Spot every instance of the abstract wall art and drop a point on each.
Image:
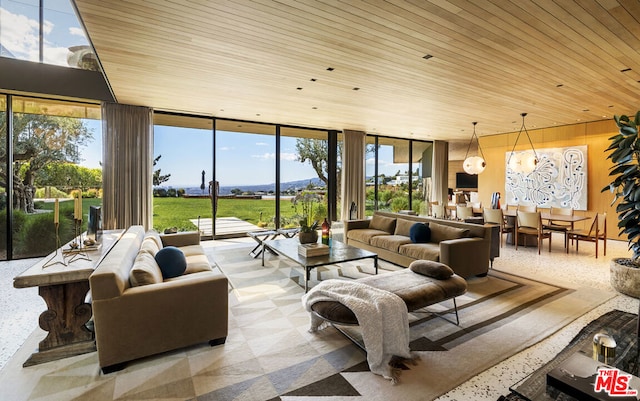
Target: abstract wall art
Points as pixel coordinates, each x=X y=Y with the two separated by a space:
x=559 y=180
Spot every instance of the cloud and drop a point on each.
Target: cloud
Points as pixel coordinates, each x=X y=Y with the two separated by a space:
x=76 y=31
x=225 y=148
x=289 y=156
x=265 y=156
x=262 y=144
x=20 y=35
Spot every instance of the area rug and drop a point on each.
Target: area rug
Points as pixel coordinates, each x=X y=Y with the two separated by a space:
x=270 y=355
x=626 y=356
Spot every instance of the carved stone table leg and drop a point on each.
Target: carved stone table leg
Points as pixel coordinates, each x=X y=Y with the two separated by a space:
x=65 y=320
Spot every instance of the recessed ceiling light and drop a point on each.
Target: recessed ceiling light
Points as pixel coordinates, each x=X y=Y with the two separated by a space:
x=625 y=70
x=330 y=69
x=314 y=108
x=313 y=80
x=427 y=56
x=258 y=114
x=299 y=88
x=585 y=110
x=559 y=86
x=612 y=105
x=356 y=89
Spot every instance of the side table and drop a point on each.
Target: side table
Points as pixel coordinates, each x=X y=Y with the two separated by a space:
x=64 y=289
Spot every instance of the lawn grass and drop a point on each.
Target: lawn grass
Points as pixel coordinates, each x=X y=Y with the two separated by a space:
x=176 y=212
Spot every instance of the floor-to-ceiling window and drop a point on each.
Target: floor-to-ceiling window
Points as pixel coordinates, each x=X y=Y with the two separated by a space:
x=183 y=184
x=397 y=172
x=3 y=177
x=245 y=171
x=57 y=154
x=304 y=175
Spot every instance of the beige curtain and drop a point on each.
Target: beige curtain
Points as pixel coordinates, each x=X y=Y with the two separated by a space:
x=127 y=155
x=353 y=173
x=440 y=172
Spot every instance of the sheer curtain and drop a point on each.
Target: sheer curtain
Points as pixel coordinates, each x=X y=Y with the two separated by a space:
x=353 y=173
x=127 y=171
x=440 y=169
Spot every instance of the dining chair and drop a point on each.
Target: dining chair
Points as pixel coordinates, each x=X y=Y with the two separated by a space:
x=495 y=216
x=463 y=212
x=530 y=223
x=438 y=211
x=597 y=231
x=528 y=208
x=560 y=226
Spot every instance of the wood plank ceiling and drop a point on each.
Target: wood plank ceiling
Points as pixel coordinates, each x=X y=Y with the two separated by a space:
x=363 y=64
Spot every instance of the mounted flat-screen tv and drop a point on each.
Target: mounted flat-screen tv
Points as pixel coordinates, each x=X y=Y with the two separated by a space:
x=464 y=180
x=94 y=226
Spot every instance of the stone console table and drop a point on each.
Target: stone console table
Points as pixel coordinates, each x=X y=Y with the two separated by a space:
x=64 y=289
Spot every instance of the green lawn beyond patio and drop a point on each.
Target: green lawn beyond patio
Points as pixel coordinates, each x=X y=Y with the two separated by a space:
x=176 y=212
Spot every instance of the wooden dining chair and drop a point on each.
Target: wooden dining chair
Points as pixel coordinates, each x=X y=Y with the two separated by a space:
x=595 y=233
x=463 y=212
x=530 y=223
x=528 y=208
x=560 y=226
x=495 y=216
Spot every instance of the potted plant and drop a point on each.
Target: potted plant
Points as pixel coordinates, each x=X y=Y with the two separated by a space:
x=308 y=233
x=308 y=222
x=625 y=155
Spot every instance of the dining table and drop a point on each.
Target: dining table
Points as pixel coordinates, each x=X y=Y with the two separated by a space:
x=511 y=214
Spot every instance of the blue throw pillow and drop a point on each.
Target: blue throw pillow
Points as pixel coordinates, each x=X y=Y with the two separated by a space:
x=172 y=262
x=420 y=233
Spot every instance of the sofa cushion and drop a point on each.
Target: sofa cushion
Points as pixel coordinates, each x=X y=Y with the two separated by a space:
x=383 y=223
x=403 y=227
x=440 y=232
x=197 y=263
x=428 y=251
x=364 y=234
x=420 y=233
x=172 y=261
x=149 y=245
x=389 y=242
x=430 y=268
x=145 y=270
x=153 y=235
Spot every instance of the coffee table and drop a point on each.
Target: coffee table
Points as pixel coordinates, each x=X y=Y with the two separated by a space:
x=339 y=253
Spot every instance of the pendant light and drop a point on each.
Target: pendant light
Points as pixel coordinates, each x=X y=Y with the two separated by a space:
x=523 y=162
x=474 y=164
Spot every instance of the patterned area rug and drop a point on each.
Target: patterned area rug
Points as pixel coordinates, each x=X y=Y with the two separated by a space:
x=270 y=355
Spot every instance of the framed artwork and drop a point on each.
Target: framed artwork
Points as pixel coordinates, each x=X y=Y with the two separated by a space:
x=559 y=180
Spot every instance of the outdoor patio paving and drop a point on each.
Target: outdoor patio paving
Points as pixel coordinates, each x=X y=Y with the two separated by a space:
x=225 y=226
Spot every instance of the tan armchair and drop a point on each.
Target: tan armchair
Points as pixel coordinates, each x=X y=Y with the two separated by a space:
x=136 y=321
x=496 y=216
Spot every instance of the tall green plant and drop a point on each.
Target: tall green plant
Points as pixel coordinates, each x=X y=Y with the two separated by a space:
x=625 y=155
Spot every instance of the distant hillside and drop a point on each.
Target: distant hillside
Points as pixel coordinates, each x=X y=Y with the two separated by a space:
x=226 y=190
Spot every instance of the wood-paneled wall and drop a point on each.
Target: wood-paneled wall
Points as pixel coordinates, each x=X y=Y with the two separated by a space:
x=595 y=135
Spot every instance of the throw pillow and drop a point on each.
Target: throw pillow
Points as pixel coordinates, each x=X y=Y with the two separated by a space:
x=420 y=233
x=145 y=270
x=440 y=232
x=429 y=268
x=172 y=262
x=383 y=223
x=403 y=227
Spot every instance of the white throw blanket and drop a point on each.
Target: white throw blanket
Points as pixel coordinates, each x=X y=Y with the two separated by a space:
x=382 y=316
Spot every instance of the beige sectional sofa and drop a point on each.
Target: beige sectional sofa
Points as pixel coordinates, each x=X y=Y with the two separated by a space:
x=463 y=246
x=137 y=313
